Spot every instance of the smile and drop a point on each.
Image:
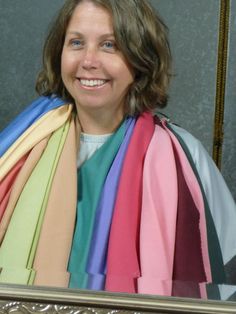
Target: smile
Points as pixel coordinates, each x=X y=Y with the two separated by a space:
x=92 y=83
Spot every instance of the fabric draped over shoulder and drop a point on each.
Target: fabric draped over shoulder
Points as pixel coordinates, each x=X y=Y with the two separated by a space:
x=19 y=183
x=123 y=257
x=139 y=216
x=36 y=132
x=23 y=121
x=7 y=183
x=51 y=258
x=28 y=215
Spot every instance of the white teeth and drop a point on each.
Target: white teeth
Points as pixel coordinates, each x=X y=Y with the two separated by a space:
x=92 y=82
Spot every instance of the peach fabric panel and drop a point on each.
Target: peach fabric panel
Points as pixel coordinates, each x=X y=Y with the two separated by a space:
x=55 y=240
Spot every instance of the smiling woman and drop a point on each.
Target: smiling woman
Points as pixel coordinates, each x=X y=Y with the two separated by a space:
x=138 y=52
x=99 y=191
x=94 y=71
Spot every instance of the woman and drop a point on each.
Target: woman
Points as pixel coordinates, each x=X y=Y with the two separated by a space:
x=134 y=209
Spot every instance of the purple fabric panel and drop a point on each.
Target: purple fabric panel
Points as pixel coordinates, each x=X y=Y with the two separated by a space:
x=96 y=267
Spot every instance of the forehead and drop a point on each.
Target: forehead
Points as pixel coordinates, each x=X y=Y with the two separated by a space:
x=88 y=16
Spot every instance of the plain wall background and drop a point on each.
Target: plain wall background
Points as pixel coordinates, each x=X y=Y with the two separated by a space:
x=193 y=29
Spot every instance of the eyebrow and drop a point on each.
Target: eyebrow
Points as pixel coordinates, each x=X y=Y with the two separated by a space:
x=81 y=35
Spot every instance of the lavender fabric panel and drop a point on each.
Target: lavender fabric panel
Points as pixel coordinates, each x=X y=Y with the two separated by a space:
x=96 y=265
x=25 y=119
x=96 y=282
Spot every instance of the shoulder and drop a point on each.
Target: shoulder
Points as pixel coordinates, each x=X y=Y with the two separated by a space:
x=218 y=196
x=211 y=177
x=195 y=147
x=202 y=160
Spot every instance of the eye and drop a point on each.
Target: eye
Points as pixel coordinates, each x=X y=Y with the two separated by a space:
x=109 y=45
x=76 y=43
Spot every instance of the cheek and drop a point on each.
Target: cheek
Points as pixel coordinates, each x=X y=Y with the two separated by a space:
x=129 y=76
x=121 y=71
x=126 y=75
x=124 y=71
x=68 y=65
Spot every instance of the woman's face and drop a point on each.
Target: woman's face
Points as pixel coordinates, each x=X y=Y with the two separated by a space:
x=94 y=71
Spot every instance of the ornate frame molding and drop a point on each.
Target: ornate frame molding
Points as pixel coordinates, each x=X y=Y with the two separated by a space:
x=221 y=81
x=25 y=299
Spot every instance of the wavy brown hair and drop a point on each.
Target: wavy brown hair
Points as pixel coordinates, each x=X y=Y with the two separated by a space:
x=140 y=35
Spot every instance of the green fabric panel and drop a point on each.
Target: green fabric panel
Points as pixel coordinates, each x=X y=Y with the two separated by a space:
x=17 y=275
x=91 y=178
x=213 y=292
x=46 y=196
x=20 y=239
x=215 y=255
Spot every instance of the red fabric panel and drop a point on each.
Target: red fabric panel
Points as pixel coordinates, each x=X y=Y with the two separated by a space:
x=188 y=262
x=123 y=250
x=7 y=183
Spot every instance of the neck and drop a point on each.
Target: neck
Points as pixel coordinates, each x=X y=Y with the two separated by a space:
x=98 y=122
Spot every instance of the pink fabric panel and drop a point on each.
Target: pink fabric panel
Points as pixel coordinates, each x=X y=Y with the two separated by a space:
x=158 y=220
x=7 y=181
x=194 y=188
x=4 y=202
x=203 y=291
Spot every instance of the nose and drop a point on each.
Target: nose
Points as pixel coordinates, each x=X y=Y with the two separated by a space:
x=90 y=59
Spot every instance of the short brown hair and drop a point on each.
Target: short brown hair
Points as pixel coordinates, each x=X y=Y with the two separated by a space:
x=141 y=36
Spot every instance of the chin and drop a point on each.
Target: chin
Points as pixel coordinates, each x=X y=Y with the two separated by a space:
x=91 y=105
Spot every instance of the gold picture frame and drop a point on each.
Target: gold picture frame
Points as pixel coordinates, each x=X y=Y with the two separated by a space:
x=25 y=299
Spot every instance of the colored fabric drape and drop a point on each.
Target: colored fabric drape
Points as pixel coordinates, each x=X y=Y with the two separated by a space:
x=215 y=254
x=26 y=220
x=36 y=132
x=158 y=220
x=188 y=264
x=87 y=205
x=19 y=183
x=147 y=213
x=221 y=244
x=96 y=266
x=123 y=267
x=192 y=185
x=25 y=119
x=51 y=258
x=7 y=183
